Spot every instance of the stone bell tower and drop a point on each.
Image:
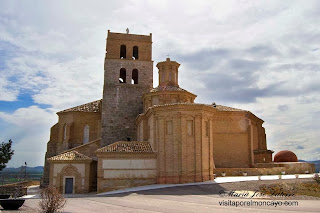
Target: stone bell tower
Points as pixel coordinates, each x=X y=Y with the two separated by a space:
x=128 y=74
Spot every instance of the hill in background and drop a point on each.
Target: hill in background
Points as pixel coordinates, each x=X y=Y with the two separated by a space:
x=33 y=170
x=39 y=169
x=316 y=164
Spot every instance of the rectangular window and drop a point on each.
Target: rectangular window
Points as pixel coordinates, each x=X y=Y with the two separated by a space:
x=169 y=127
x=190 y=127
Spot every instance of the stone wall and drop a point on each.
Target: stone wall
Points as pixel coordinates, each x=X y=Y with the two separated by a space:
x=292 y=167
x=250 y=171
x=122 y=102
x=268 y=169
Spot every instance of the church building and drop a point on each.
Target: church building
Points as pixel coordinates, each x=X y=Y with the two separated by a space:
x=139 y=135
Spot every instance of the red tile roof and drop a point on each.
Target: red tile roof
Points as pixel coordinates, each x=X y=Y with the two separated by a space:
x=70 y=156
x=167 y=88
x=93 y=106
x=128 y=147
x=218 y=107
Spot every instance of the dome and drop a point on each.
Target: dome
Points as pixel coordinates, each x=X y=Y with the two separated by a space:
x=285 y=156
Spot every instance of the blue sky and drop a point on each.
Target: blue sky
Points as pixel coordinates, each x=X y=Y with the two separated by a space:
x=261 y=56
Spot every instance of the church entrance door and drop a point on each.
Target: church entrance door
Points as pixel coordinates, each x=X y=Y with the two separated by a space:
x=69 y=186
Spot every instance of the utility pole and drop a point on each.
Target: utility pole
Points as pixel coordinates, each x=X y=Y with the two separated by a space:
x=25 y=171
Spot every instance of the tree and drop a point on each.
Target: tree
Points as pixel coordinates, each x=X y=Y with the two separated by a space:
x=5 y=154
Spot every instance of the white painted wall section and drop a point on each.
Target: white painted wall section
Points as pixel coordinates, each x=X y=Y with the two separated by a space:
x=124 y=174
x=129 y=164
x=129 y=168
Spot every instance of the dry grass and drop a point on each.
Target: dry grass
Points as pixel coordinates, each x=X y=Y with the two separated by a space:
x=309 y=189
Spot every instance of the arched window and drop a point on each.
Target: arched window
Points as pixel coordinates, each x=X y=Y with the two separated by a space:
x=86 y=134
x=135 y=76
x=123 y=74
x=135 y=53
x=163 y=76
x=123 y=51
x=64 y=131
x=170 y=74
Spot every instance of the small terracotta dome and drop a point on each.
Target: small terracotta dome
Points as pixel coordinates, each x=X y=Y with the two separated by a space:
x=285 y=156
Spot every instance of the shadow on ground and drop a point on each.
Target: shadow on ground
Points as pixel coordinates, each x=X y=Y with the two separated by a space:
x=204 y=189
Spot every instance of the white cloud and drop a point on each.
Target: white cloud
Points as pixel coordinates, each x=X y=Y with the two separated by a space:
x=71 y=83
x=29 y=129
x=7 y=93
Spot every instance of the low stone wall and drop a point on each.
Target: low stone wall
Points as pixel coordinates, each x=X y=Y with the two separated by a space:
x=298 y=167
x=14 y=191
x=250 y=171
x=17 y=189
x=268 y=169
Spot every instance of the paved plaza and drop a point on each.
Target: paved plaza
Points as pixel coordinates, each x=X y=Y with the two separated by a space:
x=196 y=197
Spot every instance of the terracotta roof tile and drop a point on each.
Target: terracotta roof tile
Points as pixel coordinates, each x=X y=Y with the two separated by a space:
x=218 y=107
x=93 y=106
x=226 y=108
x=128 y=147
x=70 y=156
x=167 y=88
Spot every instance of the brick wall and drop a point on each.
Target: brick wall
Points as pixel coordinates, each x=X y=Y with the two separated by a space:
x=184 y=148
x=75 y=122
